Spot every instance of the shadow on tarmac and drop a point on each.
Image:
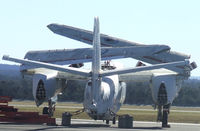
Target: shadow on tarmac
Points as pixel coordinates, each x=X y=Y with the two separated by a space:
x=72 y=126
x=95 y=126
x=148 y=128
x=82 y=126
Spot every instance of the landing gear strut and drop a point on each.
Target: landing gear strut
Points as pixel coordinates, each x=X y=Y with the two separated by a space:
x=159 y=116
x=107 y=122
x=163 y=112
x=165 y=116
x=163 y=107
x=52 y=107
x=114 y=120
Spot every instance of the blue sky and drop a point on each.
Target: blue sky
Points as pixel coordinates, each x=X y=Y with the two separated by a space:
x=174 y=23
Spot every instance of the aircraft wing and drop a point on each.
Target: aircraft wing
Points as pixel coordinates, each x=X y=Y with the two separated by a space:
x=87 y=37
x=81 y=55
x=96 y=58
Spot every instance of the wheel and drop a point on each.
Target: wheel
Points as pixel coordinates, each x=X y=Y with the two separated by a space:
x=114 y=120
x=165 y=120
x=45 y=110
x=107 y=122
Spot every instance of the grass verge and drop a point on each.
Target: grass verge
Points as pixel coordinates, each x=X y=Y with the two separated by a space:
x=139 y=115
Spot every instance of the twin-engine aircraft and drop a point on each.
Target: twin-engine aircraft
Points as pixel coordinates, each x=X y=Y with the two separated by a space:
x=105 y=90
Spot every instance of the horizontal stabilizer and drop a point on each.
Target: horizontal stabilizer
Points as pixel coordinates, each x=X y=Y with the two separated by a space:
x=36 y=64
x=87 y=74
x=145 y=68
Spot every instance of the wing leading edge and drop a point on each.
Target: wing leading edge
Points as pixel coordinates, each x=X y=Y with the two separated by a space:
x=81 y=55
x=86 y=37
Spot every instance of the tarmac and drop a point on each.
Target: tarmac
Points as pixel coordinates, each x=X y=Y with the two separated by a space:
x=91 y=125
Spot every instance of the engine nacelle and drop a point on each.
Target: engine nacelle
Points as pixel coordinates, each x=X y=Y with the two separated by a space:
x=46 y=87
x=164 y=87
x=121 y=94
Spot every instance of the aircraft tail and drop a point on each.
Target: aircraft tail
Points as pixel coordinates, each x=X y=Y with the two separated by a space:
x=96 y=59
x=96 y=48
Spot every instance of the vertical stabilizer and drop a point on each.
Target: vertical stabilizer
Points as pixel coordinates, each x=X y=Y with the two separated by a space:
x=96 y=59
x=96 y=47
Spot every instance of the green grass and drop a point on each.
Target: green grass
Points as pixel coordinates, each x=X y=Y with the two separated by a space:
x=139 y=115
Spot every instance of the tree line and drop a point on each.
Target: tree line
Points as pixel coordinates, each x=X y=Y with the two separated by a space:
x=137 y=93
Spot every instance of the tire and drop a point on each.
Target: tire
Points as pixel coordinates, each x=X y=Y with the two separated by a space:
x=107 y=122
x=45 y=110
x=165 y=120
x=114 y=120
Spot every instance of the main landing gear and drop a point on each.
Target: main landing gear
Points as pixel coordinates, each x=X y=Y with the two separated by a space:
x=163 y=112
x=163 y=107
x=50 y=109
x=165 y=116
